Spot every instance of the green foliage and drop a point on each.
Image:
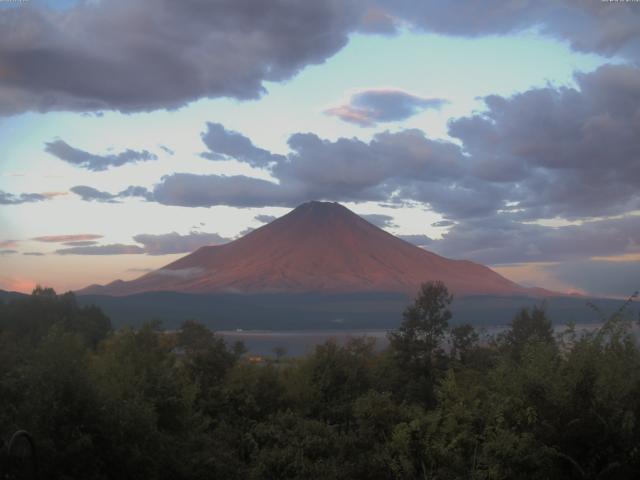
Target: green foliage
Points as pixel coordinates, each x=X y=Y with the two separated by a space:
x=152 y=404
x=337 y=375
x=415 y=348
x=29 y=319
x=464 y=342
x=527 y=326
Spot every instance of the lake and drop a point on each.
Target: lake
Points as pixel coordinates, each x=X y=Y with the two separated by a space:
x=301 y=342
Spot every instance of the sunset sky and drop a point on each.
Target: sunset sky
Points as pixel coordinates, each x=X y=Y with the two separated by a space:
x=503 y=132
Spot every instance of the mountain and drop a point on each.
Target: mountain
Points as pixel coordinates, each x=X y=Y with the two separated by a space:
x=6 y=296
x=317 y=247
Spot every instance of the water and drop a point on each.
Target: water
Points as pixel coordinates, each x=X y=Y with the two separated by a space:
x=297 y=343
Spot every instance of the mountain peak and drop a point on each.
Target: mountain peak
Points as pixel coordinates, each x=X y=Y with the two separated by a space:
x=317 y=247
x=316 y=207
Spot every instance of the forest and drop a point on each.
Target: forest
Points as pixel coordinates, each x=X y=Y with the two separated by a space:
x=438 y=403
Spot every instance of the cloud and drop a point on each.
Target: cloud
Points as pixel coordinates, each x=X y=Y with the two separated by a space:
x=81 y=243
x=443 y=223
x=377 y=21
x=599 y=277
x=136 y=191
x=140 y=270
x=90 y=194
x=161 y=244
x=33 y=254
x=8 y=243
x=601 y=27
x=192 y=190
x=96 y=163
x=546 y=153
x=113 y=249
x=165 y=55
x=175 y=243
x=245 y=232
x=419 y=240
x=67 y=238
x=8 y=252
x=167 y=150
x=265 y=218
x=349 y=169
x=370 y=107
x=51 y=195
x=561 y=151
x=11 y=199
x=539 y=154
x=225 y=144
x=380 y=220
x=501 y=241
x=342 y=170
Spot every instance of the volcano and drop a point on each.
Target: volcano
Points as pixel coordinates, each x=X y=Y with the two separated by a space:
x=317 y=247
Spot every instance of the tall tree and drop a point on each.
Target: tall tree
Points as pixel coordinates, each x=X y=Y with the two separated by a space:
x=416 y=345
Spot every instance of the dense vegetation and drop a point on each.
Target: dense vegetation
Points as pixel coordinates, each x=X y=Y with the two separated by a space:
x=104 y=404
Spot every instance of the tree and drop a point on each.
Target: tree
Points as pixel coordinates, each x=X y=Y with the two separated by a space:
x=207 y=358
x=464 y=339
x=415 y=346
x=279 y=352
x=528 y=327
x=337 y=376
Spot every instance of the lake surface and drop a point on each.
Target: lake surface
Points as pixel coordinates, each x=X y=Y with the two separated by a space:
x=301 y=342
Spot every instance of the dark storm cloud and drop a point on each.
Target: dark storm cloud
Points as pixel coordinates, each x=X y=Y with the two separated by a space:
x=175 y=243
x=375 y=106
x=153 y=54
x=113 y=249
x=498 y=240
x=11 y=199
x=380 y=220
x=265 y=218
x=225 y=144
x=607 y=28
x=96 y=163
x=600 y=277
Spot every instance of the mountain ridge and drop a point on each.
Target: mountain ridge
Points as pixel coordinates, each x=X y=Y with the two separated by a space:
x=317 y=247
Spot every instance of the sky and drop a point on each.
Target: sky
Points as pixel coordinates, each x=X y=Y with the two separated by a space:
x=503 y=132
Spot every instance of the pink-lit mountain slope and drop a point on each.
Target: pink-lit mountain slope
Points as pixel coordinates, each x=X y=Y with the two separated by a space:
x=317 y=247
